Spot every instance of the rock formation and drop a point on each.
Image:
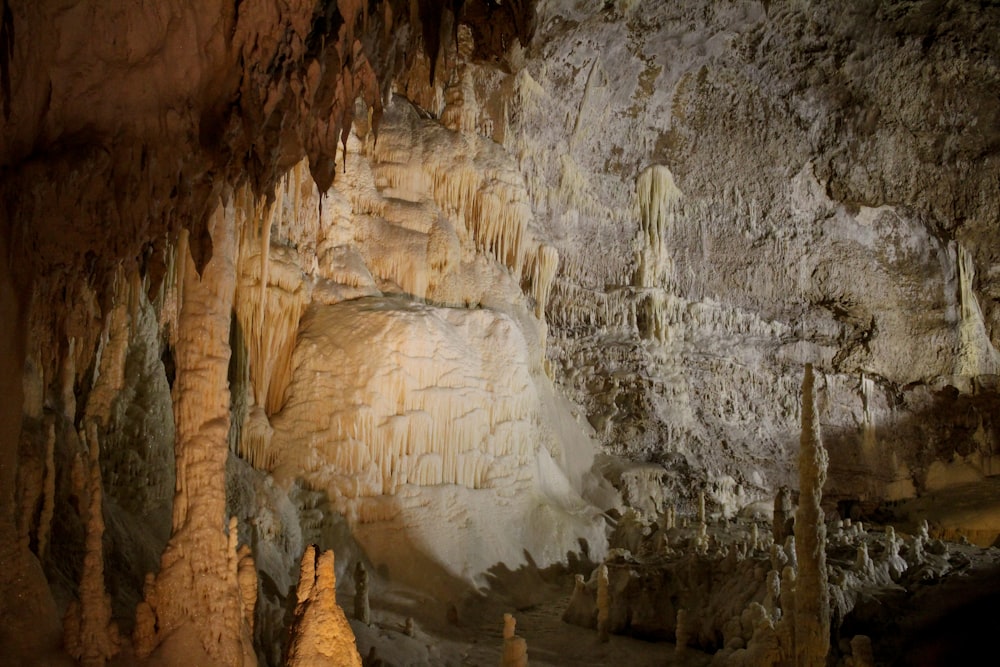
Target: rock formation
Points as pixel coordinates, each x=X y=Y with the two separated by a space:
x=452 y=287
x=321 y=634
x=812 y=597
x=515 y=649
x=603 y=605
x=362 y=607
x=90 y=635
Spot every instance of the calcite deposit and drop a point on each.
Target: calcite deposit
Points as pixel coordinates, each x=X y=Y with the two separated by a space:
x=674 y=321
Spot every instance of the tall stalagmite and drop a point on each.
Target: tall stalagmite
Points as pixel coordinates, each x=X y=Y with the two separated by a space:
x=89 y=634
x=812 y=596
x=196 y=585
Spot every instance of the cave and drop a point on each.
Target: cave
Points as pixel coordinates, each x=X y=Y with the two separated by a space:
x=578 y=332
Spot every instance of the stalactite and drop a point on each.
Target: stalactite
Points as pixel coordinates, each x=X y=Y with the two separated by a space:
x=657 y=199
x=976 y=354
x=486 y=193
x=545 y=265
x=271 y=294
x=812 y=596
x=869 y=445
x=458 y=416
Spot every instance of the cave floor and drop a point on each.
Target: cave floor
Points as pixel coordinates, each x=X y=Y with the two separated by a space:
x=476 y=637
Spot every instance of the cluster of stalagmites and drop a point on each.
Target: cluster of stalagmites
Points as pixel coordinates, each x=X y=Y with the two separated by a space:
x=755 y=597
x=321 y=633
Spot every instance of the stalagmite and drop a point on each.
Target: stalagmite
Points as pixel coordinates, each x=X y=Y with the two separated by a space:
x=90 y=635
x=863 y=564
x=362 y=608
x=580 y=610
x=786 y=626
x=247 y=577
x=682 y=633
x=515 y=649
x=321 y=634
x=603 y=605
x=861 y=652
x=67 y=379
x=772 y=603
x=199 y=549
x=782 y=514
x=897 y=565
x=144 y=634
x=48 y=492
x=812 y=597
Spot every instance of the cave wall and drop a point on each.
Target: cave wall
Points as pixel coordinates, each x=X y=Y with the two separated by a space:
x=662 y=210
x=736 y=189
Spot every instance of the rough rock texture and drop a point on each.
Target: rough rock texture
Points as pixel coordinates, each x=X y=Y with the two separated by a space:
x=770 y=184
x=637 y=224
x=321 y=634
x=812 y=595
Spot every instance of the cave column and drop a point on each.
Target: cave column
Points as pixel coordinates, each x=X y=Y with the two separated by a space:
x=197 y=584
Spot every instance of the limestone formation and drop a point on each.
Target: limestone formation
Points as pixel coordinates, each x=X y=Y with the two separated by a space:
x=861 y=652
x=199 y=549
x=362 y=608
x=682 y=634
x=321 y=634
x=515 y=649
x=447 y=286
x=247 y=578
x=582 y=608
x=780 y=527
x=90 y=635
x=812 y=603
x=603 y=605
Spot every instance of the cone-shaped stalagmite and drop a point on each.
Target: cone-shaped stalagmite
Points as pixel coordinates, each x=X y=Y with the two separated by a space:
x=812 y=597
x=321 y=634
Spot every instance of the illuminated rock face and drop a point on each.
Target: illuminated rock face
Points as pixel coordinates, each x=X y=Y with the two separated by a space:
x=408 y=416
x=652 y=216
x=760 y=202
